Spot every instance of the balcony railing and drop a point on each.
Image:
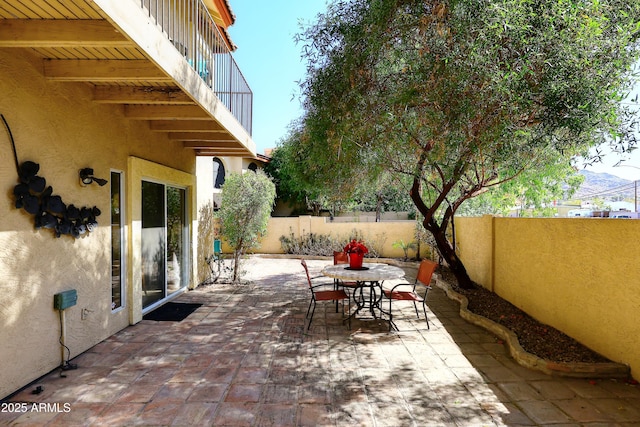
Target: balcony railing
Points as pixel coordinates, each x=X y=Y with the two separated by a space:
x=191 y=29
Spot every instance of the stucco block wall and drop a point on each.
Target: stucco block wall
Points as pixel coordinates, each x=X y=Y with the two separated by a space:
x=579 y=275
x=475 y=236
x=58 y=126
x=383 y=234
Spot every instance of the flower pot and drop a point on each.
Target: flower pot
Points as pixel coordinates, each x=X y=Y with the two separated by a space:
x=355 y=260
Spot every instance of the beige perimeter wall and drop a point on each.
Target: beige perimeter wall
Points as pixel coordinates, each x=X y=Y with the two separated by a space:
x=380 y=235
x=579 y=275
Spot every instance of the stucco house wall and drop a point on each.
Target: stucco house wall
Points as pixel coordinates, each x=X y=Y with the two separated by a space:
x=209 y=199
x=59 y=127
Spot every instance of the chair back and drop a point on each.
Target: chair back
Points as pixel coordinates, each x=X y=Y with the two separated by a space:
x=340 y=257
x=306 y=270
x=425 y=271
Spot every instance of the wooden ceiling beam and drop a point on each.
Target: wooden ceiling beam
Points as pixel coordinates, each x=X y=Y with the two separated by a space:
x=202 y=137
x=210 y=145
x=165 y=112
x=140 y=95
x=186 y=126
x=103 y=70
x=44 y=33
x=212 y=152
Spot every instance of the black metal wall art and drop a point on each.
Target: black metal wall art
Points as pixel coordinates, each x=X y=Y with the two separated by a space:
x=34 y=196
x=49 y=211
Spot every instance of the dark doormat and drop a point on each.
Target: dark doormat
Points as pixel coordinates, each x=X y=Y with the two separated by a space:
x=172 y=312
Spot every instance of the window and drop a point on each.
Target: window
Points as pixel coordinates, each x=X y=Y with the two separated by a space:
x=117 y=242
x=218 y=173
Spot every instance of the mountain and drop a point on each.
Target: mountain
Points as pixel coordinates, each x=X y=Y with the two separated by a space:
x=604 y=186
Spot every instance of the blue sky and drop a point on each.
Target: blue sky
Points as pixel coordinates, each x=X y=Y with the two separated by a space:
x=271 y=62
x=631 y=170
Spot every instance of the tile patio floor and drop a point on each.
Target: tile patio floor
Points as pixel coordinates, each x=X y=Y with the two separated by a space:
x=244 y=359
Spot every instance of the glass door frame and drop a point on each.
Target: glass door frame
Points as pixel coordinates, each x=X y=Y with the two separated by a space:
x=144 y=170
x=123 y=242
x=185 y=262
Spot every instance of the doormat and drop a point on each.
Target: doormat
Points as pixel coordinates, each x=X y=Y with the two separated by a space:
x=172 y=312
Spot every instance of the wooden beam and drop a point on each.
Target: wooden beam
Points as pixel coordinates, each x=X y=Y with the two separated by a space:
x=103 y=70
x=186 y=126
x=140 y=95
x=165 y=112
x=61 y=33
x=203 y=136
x=212 y=152
x=208 y=145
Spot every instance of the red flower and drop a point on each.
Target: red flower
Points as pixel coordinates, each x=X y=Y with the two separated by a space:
x=356 y=247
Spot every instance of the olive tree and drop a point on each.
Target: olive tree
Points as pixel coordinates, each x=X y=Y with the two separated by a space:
x=247 y=201
x=462 y=95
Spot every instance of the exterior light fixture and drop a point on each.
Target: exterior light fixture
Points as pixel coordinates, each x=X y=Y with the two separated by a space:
x=86 y=177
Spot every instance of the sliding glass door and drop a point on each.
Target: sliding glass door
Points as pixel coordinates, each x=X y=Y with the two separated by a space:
x=117 y=242
x=176 y=236
x=164 y=239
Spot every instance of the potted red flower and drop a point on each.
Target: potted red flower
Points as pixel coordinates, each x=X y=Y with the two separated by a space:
x=356 y=250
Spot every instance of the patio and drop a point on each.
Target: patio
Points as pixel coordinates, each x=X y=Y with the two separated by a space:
x=244 y=358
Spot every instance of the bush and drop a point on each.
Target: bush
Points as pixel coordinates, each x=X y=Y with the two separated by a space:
x=323 y=245
x=247 y=200
x=310 y=244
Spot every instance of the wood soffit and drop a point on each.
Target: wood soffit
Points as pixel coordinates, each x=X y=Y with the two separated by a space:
x=77 y=44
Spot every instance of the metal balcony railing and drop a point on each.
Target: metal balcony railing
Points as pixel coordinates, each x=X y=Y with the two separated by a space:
x=192 y=30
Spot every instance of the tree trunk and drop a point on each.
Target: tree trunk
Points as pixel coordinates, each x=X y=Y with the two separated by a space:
x=378 y=207
x=445 y=248
x=448 y=253
x=236 y=261
x=236 y=258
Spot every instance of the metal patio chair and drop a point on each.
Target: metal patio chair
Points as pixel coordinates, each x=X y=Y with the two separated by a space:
x=401 y=292
x=320 y=294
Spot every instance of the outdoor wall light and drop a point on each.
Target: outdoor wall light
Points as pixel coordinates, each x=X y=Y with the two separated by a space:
x=86 y=177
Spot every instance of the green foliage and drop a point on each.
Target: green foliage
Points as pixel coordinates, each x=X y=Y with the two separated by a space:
x=533 y=192
x=290 y=186
x=462 y=96
x=295 y=184
x=247 y=201
x=406 y=247
x=323 y=245
x=311 y=244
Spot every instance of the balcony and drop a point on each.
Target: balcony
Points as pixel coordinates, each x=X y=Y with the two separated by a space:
x=162 y=61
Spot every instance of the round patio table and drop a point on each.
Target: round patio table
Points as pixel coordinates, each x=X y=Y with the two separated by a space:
x=370 y=278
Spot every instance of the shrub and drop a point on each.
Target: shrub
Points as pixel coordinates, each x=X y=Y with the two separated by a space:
x=323 y=245
x=247 y=200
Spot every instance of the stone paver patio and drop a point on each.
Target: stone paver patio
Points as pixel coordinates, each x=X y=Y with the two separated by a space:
x=244 y=359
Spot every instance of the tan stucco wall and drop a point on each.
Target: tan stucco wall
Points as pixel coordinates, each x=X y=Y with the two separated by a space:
x=204 y=171
x=579 y=275
x=204 y=168
x=207 y=195
x=57 y=126
x=382 y=233
x=475 y=236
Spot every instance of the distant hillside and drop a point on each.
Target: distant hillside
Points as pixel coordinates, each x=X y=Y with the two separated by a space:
x=604 y=186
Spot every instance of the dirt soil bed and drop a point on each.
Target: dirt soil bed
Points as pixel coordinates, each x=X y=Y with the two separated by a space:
x=539 y=339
